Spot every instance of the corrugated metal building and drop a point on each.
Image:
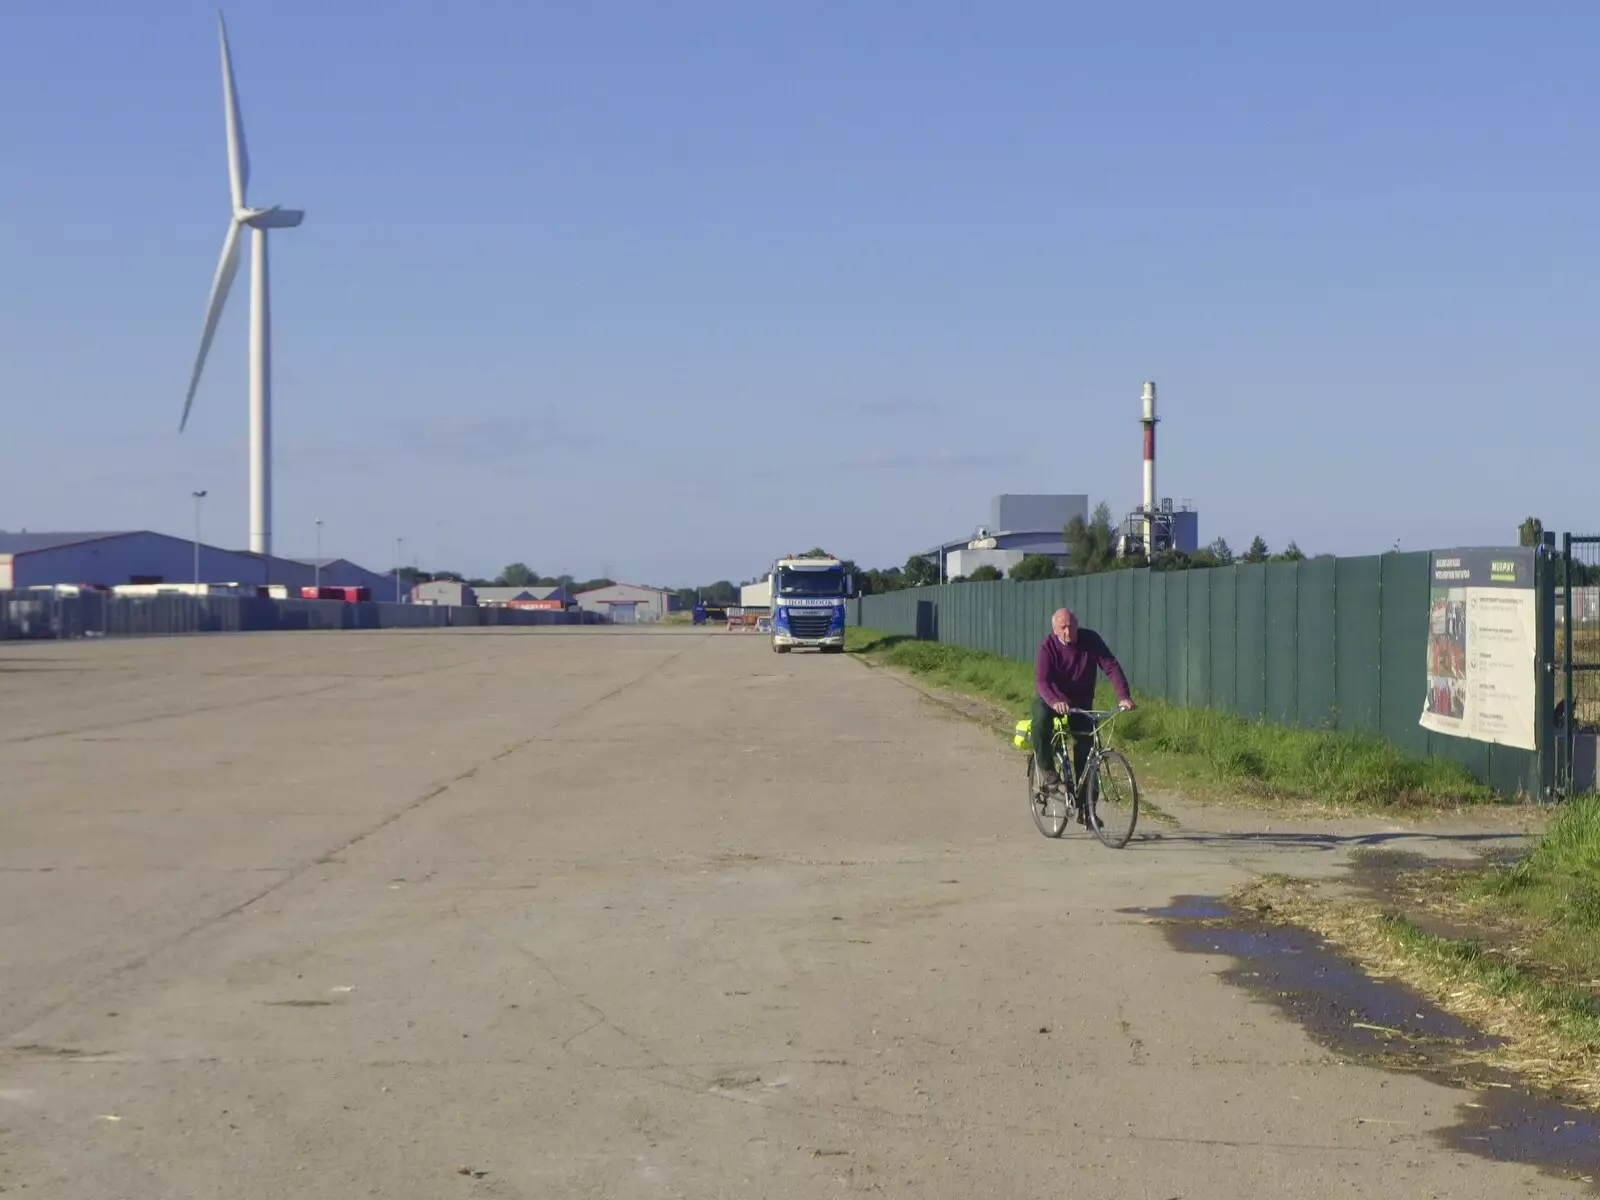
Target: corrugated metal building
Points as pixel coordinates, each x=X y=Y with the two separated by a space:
x=627 y=603
x=446 y=592
x=142 y=556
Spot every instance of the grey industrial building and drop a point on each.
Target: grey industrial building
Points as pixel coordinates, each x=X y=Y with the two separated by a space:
x=1020 y=525
x=142 y=556
x=626 y=603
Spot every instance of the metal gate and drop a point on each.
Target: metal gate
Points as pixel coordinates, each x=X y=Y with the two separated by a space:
x=1578 y=653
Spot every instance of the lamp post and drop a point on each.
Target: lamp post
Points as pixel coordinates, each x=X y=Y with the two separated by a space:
x=198 y=496
x=318 y=564
x=399 y=544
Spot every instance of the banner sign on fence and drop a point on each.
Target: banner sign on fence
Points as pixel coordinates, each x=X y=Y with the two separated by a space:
x=1482 y=646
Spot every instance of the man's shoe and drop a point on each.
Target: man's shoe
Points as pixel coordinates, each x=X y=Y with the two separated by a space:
x=1049 y=781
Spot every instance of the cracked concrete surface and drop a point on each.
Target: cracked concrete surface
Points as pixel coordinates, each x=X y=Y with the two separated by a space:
x=622 y=913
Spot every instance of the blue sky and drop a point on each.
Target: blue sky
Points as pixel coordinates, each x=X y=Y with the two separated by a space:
x=665 y=290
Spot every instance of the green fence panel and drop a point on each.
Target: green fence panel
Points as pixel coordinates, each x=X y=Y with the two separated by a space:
x=1121 y=587
x=1316 y=695
x=1250 y=662
x=1197 y=638
x=1177 y=655
x=1160 y=677
x=1283 y=623
x=1403 y=683
x=1224 y=650
x=1358 y=642
x=1140 y=641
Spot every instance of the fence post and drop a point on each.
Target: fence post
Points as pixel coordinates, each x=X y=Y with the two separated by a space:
x=1545 y=778
x=1569 y=721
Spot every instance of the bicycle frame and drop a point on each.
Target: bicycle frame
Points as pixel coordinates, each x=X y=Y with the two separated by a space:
x=1061 y=735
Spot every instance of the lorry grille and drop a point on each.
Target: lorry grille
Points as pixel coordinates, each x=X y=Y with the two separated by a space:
x=810 y=622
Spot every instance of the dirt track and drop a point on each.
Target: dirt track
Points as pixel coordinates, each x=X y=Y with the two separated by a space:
x=620 y=914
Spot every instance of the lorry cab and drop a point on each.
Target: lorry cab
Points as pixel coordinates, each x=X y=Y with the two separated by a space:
x=807 y=598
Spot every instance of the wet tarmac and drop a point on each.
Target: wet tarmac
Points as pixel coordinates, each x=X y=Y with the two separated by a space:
x=1387 y=1026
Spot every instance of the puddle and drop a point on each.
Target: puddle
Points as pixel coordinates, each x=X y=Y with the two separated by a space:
x=1388 y=1026
x=1187 y=908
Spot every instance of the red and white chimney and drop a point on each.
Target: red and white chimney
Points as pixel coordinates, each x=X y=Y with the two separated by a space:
x=1148 y=420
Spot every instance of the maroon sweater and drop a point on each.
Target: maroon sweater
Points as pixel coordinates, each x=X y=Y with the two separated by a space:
x=1068 y=672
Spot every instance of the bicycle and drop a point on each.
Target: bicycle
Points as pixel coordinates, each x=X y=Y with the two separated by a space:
x=1108 y=781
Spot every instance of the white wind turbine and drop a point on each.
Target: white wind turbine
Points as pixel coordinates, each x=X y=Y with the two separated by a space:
x=259 y=220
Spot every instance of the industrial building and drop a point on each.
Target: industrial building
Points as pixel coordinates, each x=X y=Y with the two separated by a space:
x=525 y=597
x=1019 y=525
x=445 y=592
x=462 y=595
x=142 y=556
x=627 y=603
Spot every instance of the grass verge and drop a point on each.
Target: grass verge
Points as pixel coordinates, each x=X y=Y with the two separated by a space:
x=1550 y=1028
x=1200 y=750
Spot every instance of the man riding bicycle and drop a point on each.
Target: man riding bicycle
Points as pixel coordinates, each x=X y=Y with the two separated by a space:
x=1064 y=678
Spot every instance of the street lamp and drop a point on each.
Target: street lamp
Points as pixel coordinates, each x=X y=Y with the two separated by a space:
x=399 y=543
x=318 y=563
x=198 y=496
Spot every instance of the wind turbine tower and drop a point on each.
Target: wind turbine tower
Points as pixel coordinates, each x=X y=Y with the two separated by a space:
x=259 y=221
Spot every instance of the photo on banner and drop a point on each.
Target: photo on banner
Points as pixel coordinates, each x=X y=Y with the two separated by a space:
x=1482 y=646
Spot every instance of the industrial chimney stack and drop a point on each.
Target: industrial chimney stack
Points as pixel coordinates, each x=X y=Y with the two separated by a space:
x=1148 y=420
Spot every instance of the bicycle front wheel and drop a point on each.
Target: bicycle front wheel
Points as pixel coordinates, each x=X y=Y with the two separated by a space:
x=1113 y=799
x=1049 y=812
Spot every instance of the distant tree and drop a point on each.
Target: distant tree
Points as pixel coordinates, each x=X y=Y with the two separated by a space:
x=919 y=572
x=985 y=574
x=1033 y=567
x=1170 y=559
x=876 y=582
x=1530 y=532
x=1203 y=558
x=1091 y=546
x=1291 y=553
x=413 y=575
x=1258 y=552
x=517 y=574
x=588 y=585
x=1222 y=552
x=449 y=576
x=720 y=592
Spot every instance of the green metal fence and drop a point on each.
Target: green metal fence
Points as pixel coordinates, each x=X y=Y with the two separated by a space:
x=1324 y=643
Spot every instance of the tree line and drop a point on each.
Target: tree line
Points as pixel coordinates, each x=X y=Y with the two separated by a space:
x=521 y=575
x=1091 y=550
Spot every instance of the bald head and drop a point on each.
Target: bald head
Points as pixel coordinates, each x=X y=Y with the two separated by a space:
x=1065 y=626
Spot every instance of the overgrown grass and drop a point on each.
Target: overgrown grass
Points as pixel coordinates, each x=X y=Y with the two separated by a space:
x=1204 y=746
x=1554 y=892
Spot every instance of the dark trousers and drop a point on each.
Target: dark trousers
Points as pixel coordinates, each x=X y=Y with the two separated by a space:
x=1082 y=727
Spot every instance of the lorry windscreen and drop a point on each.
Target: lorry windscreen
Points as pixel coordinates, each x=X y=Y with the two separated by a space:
x=810 y=583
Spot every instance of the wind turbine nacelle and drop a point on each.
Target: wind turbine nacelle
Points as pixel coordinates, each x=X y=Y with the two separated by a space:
x=273 y=218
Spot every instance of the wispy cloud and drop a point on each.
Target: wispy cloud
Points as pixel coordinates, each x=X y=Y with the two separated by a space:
x=899 y=408
x=946 y=460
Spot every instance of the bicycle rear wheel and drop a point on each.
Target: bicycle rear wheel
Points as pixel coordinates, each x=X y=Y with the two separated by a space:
x=1049 y=812
x=1113 y=799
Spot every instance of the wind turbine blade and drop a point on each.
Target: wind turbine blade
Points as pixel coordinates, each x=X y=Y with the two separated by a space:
x=238 y=154
x=227 y=268
x=277 y=218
